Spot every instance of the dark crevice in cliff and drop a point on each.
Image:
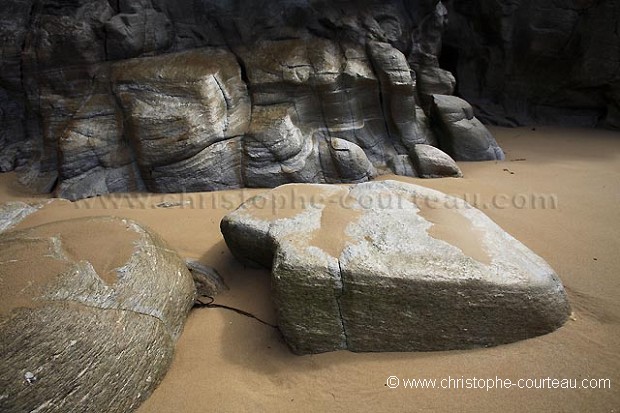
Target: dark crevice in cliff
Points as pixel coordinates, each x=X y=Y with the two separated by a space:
x=244 y=73
x=120 y=113
x=385 y=113
x=28 y=110
x=226 y=101
x=244 y=77
x=449 y=60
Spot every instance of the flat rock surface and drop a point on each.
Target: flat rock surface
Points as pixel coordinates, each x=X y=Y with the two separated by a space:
x=90 y=310
x=389 y=266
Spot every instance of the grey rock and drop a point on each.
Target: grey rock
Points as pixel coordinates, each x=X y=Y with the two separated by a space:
x=350 y=161
x=276 y=149
x=332 y=88
x=133 y=34
x=12 y=213
x=12 y=120
x=431 y=162
x=424 y=57
x=185 y=113
x=137 y=95
x=398 y=89
x=461 y=134
x=208 y=280
x=100 y=181
x=216 y=167
x=402 y=165
x=389 y=266
x=94 y=157
x=76 y=317
x=528 y=62
x=435 y=81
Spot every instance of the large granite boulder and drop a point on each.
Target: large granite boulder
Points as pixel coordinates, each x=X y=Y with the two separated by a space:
x=389 y=266
x=90 y=310
x=137 y=95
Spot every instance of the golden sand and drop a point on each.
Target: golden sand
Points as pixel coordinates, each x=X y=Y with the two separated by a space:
x=226 y=362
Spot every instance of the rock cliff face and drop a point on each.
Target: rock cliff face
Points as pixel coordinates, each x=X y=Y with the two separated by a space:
x=106 y=96
x=527 y=61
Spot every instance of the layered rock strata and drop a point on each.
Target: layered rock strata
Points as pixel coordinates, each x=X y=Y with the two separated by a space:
x=197 y=96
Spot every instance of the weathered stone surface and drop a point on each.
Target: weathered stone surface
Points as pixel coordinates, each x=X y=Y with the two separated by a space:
x=90 y=310
x=399 y=95
x=276 y=149
x=131 y=34
x=461 y=134
x=178 y=106
x=139 y=95
x=94 y=158
x=403 y=166
x=334 y=90
x=12 y=213
x=350 y=162
x=530 y=62
x=207 y=280
x=431 y=162
x=389 y=266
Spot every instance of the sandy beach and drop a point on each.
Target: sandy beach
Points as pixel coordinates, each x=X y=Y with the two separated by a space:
x=557 y=192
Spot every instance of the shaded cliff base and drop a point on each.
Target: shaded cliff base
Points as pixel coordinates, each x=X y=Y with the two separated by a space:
x=526 y=62
x=228 y=362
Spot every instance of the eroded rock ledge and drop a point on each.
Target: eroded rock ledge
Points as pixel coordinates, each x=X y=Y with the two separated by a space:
x=198 y=96
x=388 y=266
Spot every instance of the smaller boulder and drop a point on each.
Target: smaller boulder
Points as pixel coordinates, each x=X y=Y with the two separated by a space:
x=461 y=134
x=431 y=162
x=350 y=161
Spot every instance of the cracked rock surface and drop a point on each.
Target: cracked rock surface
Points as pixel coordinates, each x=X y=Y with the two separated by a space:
x=184 y=96
x=87 y=325
x=390 y=266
